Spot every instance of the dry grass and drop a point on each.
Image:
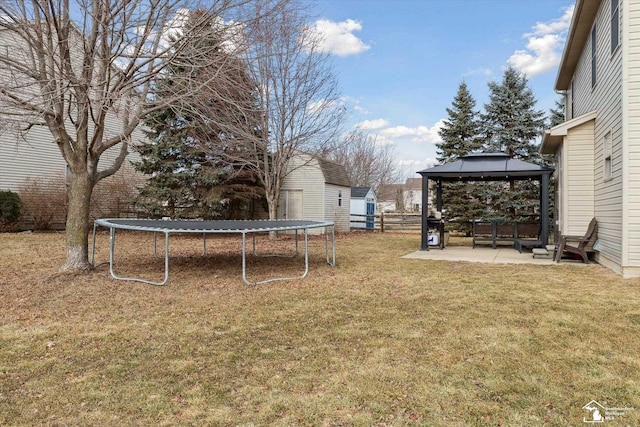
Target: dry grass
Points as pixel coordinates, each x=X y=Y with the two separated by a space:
x=378 y=340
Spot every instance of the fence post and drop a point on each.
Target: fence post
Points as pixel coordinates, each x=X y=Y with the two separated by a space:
x=382 y=222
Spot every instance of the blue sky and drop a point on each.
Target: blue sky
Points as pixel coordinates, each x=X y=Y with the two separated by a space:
x=400 y=62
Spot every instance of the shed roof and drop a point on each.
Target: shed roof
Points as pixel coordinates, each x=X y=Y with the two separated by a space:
x=359 y=192
x=485 y=166
x=334 y=173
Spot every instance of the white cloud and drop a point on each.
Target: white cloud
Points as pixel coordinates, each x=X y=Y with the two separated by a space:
x=360 y=109
x=544 y=46
x=487 y=72
x=542 y=55
x=372 y=124
x=413 y=165
x=416 y=134
x=338 y=37
x=553 y=27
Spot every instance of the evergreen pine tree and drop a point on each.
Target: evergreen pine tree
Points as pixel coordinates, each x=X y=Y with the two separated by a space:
x=556 y=115
x=460 y=136
x=460 y=132
x=186 y=176
x=512 y=125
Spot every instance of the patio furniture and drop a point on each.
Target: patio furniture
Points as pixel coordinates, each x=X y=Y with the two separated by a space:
x=531 y=230
x=577 y=245
x=492 y=232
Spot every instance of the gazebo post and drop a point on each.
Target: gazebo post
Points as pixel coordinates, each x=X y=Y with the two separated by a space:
x=544 y=208
x=439 y=197
x=424 y=245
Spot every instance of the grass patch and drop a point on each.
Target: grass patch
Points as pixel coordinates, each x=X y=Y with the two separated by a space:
x=378 y=340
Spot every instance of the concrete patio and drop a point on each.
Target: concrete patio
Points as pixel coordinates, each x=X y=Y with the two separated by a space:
x=500 y=255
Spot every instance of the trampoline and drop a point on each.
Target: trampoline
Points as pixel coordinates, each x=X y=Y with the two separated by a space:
x=242 y=227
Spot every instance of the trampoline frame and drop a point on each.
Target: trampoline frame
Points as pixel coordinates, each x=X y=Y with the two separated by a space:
x=242 y=227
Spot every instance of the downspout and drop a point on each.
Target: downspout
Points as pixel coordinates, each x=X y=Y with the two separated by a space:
x=564 y=93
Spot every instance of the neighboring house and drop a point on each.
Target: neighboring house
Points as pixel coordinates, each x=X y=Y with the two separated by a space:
x=32 y=165
x=316 y=189
x=405 y=197
x=363 y=202
x=34 y=168
x=389 y=198
x=412 y=195
x=597 y=148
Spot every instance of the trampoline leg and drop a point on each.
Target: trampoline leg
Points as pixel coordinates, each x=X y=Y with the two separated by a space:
x=244 y=261
x=154 y=245
x=204 y=244
x=331 y=262
x=93 y=249
x=306 y=251
x=112 y=245
x=244 y=257
x=333 y=244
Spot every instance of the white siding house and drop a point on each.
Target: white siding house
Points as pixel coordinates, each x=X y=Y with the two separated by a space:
x=412 y=195
x=363 y=202
x=597 y=148
x=316 y=189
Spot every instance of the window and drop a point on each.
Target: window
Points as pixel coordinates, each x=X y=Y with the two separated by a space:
x=607 y=148
x=615 y=24
x=339 y=197
x=593 y=56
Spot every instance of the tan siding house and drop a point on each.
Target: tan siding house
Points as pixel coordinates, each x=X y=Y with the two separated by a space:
x=316 y=189
x=597 y=148
x=32 y=159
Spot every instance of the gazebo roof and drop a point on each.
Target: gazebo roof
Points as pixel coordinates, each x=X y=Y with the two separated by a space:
x=485 y=166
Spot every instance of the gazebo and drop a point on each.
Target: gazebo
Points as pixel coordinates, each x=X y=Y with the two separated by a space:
x=485 y=167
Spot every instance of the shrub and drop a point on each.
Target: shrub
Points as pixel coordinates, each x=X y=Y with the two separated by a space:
x=45 y=202
x=10 y=208
x=113 y=197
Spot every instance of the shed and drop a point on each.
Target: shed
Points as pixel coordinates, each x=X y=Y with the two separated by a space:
x=363 y=207
x=316 y=189
x=486 y=167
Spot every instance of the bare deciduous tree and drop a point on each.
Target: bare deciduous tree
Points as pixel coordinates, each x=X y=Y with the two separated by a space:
x=368 y=163
x=297 y=92
x=72 y=67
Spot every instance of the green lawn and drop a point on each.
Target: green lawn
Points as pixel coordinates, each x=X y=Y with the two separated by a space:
x=378 y=340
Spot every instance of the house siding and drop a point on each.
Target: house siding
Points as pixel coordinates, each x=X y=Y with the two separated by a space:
x=578 y=193
x=631 y=132
x=606 y=98
x=38 y=156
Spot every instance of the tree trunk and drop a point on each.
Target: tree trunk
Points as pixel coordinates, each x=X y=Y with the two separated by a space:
x=273 y=214
x=77 y=231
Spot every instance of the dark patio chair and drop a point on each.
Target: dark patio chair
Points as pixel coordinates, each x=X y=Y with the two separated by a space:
x=531 y=230
x=577 y=245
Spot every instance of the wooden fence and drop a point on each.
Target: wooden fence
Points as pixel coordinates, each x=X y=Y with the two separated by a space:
x=387 y=221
